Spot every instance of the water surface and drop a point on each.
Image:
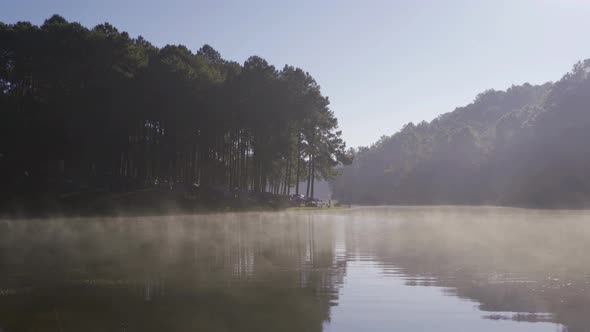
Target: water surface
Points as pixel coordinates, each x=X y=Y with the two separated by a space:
x=373 y=269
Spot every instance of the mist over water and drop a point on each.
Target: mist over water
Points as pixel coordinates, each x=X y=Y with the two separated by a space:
x=374 y=268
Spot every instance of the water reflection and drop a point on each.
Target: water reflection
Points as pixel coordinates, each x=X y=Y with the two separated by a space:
x=378 y=269
x=219 y=273
x=515 y=264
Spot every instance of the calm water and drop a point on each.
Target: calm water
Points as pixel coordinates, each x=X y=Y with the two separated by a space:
x=363 y=269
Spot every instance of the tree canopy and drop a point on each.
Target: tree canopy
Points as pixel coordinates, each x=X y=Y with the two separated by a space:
x=95 y=107
x=523 y=146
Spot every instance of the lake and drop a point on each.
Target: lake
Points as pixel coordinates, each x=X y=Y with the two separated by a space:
x=360 y=269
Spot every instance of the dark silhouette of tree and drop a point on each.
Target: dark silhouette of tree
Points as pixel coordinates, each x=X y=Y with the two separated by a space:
x=89 y=109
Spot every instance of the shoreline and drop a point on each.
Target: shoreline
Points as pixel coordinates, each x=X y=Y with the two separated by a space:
x=167 y=204
x=141 y=203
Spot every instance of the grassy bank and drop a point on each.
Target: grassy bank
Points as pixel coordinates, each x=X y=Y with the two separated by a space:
x=134 y=203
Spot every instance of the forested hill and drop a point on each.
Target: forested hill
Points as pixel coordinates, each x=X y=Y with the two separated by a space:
x=93 y=109
x=526 y=146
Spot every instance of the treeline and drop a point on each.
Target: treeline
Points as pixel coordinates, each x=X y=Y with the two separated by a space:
x=94 y=108
x=526 y=146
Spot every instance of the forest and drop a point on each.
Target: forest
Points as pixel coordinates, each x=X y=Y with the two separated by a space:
x=94 y=110
x=526 y=146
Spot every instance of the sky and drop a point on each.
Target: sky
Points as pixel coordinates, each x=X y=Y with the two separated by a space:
x=382 y=63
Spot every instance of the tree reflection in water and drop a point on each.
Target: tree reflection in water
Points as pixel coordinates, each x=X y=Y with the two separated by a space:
x=521 y=265
x=238 y=272
x=284 y=271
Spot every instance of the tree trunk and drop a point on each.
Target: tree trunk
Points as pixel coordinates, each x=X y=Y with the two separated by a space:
x=312 y=176
x=298 y=164
x=308 y=177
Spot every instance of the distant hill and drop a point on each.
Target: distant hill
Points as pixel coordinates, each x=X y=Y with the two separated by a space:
x=526 y=146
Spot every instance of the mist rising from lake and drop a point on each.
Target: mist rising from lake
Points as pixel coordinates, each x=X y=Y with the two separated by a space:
x=375 y=268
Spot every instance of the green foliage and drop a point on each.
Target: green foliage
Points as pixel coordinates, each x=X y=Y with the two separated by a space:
x=96 y=108
x=522 y=146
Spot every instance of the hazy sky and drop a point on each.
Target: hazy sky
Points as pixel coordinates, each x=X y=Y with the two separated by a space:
x=382 y=63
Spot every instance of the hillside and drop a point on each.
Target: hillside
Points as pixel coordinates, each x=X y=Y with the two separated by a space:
x=526 y=146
